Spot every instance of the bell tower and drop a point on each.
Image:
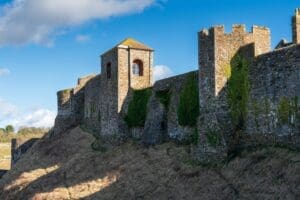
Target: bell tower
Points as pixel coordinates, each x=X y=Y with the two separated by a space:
x=127 y=66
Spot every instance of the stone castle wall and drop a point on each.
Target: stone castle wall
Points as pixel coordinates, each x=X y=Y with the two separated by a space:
x=92 y=111
x=274 y=102
x=161 y=121
x=101 y=102
x=19 y=147
x=70 y=103
x=109 y=93
x=217 y=51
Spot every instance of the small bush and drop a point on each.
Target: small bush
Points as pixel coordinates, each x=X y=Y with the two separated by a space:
x=137 y=109
x=188 y=109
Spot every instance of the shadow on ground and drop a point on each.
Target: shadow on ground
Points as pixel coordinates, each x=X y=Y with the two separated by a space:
x=66 y=167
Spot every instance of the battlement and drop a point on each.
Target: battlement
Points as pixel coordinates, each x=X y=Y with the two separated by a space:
x=239 y=29
x=101 y=102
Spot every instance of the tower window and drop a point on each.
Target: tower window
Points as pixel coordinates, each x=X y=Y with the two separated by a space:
x=138 y=68
x=108 y=70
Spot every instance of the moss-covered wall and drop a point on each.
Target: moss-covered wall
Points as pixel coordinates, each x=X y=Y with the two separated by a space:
x=171 y=99
x=273 y=108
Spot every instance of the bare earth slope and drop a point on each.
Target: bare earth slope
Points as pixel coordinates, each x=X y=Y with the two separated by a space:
x=66 y=167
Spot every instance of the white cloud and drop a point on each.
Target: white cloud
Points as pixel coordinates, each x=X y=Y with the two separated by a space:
x=10 y=114
x=82 y=38
x=7 y=110
x=38 y=21
x=38 y=118
x=161 y=72
x=4 y=71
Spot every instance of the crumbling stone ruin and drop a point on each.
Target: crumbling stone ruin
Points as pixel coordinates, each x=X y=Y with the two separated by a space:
x=244 y=94
x=19 y=147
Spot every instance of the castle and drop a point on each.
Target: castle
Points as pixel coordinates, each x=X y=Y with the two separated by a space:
x=264 y=110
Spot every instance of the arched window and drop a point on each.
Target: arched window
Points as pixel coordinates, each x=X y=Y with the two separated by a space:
x=138 y=68
x=108 y=70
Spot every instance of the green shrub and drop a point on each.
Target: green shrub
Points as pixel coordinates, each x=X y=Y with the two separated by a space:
x=188 y=109
x=137 y=109
x=9 y=129
x=164 y=97
x=238 y=91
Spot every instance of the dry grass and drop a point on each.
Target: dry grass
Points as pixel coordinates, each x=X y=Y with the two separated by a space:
x=5 y=156
x=66 y=167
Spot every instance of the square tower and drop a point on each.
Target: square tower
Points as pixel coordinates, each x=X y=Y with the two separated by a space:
x=296 y=26
x=127 y=66
x=217 y=51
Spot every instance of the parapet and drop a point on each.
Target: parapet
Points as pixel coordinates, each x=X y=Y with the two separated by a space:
x=236 y=28
x=83 y=80
x=297 y=12
x=64 y=99
x=65 y=94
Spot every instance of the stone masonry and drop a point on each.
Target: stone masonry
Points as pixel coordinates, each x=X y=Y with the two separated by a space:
x=100 y=102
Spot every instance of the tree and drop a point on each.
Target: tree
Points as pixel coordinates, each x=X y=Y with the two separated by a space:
x=9 y=129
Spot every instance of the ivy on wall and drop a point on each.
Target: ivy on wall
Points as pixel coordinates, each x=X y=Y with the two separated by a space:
x=287 y=110
x=164 y=97
x=188 y=109
x=137 y=108
x=238 y=91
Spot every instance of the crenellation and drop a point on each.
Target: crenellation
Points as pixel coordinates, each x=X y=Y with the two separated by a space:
x=100 y=102
x=238 y=29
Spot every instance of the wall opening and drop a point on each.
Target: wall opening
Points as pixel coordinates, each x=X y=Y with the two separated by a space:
x=108 y=70
x=138 y=67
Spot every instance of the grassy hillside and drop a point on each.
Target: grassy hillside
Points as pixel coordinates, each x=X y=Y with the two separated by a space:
x=66 y=167
x=24 y=133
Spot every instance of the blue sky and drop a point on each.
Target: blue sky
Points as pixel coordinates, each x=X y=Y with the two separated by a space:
x=60 y=41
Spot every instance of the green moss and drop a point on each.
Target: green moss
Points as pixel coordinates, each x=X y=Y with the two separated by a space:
x=227 y=71
x=93 y=107
x=194 y=137
x=213 y=138
x=256 y=111
x=65 y=92
x=287 y=110
x=164 y=97
x=238 y=91
x=267 y=111
x=137 y=109
x=188 y=109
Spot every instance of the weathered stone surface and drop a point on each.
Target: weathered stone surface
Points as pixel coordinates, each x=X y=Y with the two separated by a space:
x=20 y=147
x=92 y=111
x=101 y=102
x=156 y=123
x=275 y=80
